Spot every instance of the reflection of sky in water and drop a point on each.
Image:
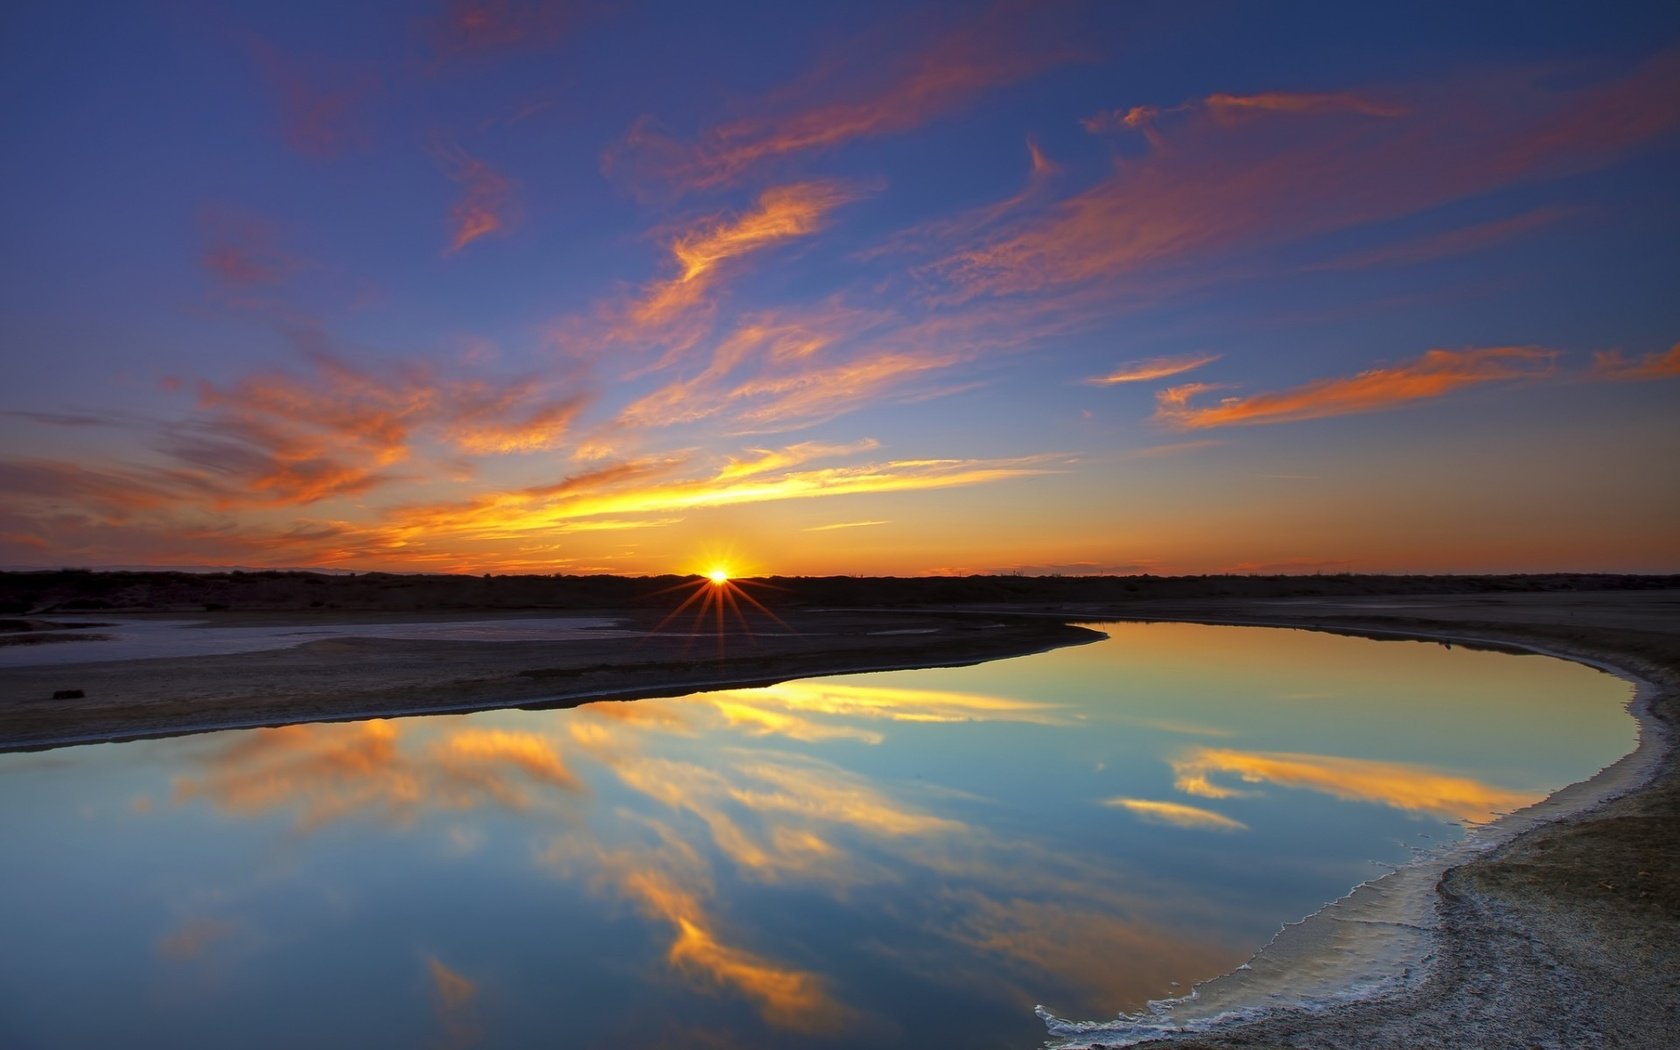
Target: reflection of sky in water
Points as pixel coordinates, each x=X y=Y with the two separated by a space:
x=142 y=639
x=914 y=858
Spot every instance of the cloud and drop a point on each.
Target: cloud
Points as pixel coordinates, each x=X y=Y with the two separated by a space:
x=1152 y=368
x=1177 y=814
x=485 y=205
x=476 y=28
x=320 y=102
x=1211 y=186
x=888 y=95
x=1436 y=373
x=675 y=311
x=1452 y=242
x=243 y=250
x=1399 y=785
x=843 y=525
x=1233 y=106
x=657 y=486
x=1610 y=364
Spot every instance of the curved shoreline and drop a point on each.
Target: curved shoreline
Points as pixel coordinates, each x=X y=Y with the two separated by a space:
x=1512 y=951
x=1375 y=942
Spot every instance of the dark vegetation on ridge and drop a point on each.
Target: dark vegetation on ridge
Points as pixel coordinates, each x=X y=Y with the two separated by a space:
x=81 y=590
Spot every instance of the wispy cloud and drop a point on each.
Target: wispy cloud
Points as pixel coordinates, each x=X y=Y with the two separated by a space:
x=1177 y=814
x=843 y=525
x=1610 y=364
x=321 y=103
x=839 y=105
x=1453 y=242
x=1152 y=368
x=477 y=28
x=242 y=250
x=1233 y=106
x=486 y=202
x=657 y=486
x=1436 y=373
x=675 y=311
x=1211 y=184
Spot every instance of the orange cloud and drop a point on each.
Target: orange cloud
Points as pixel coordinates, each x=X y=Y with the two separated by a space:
x=1396 y=784
x=675 y=312
x=843 y=525
x=1230 y=106
x=1002 y=46
x=1436 y=373
x=1177 y=814
x=652 y=487
x=1610 y=364
x=1132 y=118
x=782 y=213
x=1153 y=368
x=485 y=206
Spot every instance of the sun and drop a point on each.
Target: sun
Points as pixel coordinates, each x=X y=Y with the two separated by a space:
x=719 y=576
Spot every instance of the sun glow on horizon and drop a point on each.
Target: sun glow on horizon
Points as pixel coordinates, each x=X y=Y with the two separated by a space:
x=718 y=575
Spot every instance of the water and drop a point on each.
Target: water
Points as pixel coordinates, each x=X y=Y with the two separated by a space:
x=900 y=859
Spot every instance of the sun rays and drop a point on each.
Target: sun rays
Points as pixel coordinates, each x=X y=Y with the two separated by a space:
x=717 y=597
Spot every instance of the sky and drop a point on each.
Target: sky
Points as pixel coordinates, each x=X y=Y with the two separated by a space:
x=841 y=288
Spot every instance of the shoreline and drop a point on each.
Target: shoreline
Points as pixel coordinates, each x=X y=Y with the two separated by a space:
x=351 y=678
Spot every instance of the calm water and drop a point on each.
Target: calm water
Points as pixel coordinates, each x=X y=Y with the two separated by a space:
x=902 y=859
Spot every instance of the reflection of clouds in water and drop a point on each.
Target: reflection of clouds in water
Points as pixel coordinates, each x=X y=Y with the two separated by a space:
x=453 y=996
x=1108 y=955
x=810 y=824
x=1177 y=814
x=670 y=883
x=328 y=773
x=193 y=936
x=1401 y=785
x=786 y=710
x=898 y=704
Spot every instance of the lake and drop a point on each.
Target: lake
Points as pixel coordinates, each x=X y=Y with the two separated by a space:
x=911 y=858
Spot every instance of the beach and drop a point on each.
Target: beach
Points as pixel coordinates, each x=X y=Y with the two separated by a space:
x=1565 y=935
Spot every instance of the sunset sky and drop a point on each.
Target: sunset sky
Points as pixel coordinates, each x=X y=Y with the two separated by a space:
x=841 y=287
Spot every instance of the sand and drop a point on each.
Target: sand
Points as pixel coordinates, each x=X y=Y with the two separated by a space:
x=1568 y=935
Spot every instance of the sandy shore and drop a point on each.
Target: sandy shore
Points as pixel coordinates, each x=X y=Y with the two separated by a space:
x=349 y=678
x=1566 y=936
